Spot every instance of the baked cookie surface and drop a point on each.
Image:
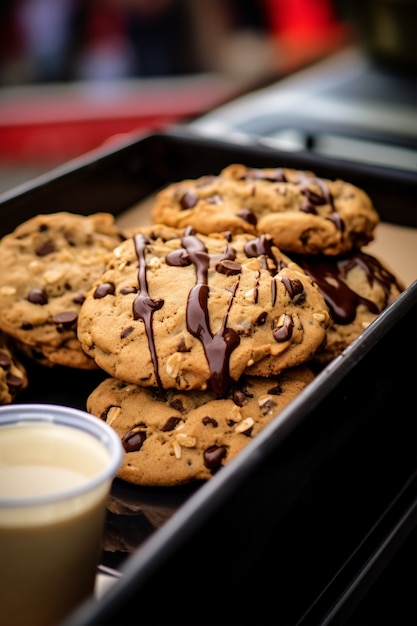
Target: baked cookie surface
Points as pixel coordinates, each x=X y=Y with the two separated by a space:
x=357 y=287
x=13 y=375
x=177 y=310
x=47 y=265
x=302 y=213
x=180 y=437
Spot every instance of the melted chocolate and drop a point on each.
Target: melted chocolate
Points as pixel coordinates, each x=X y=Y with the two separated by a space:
x=143 y=305
x=217 y=346
x=330 y=277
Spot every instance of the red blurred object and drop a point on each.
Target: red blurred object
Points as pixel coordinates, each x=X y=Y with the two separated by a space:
x=302 y=20
x=55 y=123
x=304 y=30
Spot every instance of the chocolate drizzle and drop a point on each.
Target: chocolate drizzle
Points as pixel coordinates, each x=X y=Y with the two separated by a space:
x=217 y=346
x=143 y=305
x=330 y=277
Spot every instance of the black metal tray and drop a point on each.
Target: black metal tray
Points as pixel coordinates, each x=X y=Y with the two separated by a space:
x=300 y=524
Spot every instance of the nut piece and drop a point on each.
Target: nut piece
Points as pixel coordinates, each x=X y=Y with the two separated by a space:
x=173 y=365
x=244 y=425
x=186 y=440
x=113 y=414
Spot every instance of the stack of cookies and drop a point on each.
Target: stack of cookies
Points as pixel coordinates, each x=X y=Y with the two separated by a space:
x=206 y=339
x=209 y=320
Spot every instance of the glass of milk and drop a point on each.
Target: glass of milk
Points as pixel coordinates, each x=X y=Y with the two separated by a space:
x=57 y=465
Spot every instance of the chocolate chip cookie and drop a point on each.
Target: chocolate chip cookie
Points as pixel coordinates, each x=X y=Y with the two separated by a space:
x=178 y=437
x=179 y=310
x=302 y=213
x=47 y=265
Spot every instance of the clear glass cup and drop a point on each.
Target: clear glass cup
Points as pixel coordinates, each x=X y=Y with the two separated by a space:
x=57 y=465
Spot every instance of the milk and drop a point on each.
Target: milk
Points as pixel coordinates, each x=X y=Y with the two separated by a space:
x=54 y=481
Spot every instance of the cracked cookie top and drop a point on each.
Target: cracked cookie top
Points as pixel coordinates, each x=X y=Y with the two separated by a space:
x=302 y=213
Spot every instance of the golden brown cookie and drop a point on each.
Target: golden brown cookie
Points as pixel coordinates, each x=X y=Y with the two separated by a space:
x=47 y=265
x=356 y=287
x=180 y=310
x=13 y=375
x=180 y=437
x=302 y=213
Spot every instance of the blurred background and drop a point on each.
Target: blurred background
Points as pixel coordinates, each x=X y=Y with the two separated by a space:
x=76 y=73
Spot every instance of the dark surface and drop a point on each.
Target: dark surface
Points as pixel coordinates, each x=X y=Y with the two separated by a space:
x=392 y=598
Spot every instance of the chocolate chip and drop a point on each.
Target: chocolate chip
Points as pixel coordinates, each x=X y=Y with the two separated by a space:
x=126 y=332
x=230 y=268
x=248 y=216
x=78 y=298
x=65 y=319
x=104 y=289
x=275 y=391
x=177 y=405
x=238 y=397
x=213 y=457
x=178 y=258
x=293 y=286
x=37 y=296
x=314 y=198
x=209 y=421
x=188 y=200
x=182 y=346
x=14 y=383
x=132 y=441
x=170 y=424
x=284 y=332
x=307 y=207
x=45 y=248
